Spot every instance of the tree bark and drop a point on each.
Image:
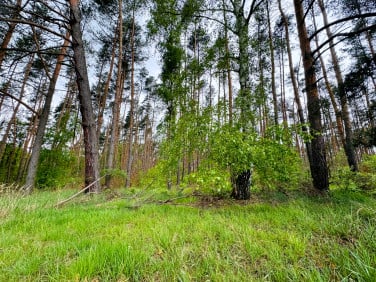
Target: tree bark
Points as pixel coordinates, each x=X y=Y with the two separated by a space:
x=228 y=66
x=103 y=97
x=293 y=78
x=9 y=33
x=241 y=184
x=131 y=111
x=329 y=88
x=37 y=146
x=114 y=137
x=272 y=60
x=86 y=107
x=349 y=147
x=318 y=162
x=15 y=111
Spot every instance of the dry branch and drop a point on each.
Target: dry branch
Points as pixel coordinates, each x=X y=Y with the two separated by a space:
x=78 y=193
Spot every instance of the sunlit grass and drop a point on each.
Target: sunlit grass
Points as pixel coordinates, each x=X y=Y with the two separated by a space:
x=126 y=236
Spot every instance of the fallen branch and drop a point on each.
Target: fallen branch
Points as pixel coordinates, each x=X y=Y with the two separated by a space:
x=149 y=200
x=78 y=193
x=173 y=199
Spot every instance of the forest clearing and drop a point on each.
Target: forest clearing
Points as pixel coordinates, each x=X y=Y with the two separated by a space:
x=141 y=235
x=187 y=140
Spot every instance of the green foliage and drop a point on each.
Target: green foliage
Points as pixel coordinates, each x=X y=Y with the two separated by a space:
x=212 y=181
x=368 y=165
x=115 y=172
x=274 y=161
x=232 y=149
x=364 y=180
x=156 y=177
x=9 y=163
x=57 y=168
x=187 y=136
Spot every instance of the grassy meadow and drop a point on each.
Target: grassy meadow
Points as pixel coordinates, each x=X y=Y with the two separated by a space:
x=139 y=235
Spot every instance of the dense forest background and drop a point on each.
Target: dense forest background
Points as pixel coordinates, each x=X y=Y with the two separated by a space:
x=269 y=93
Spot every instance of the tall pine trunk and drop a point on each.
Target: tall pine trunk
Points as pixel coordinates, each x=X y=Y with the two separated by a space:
x=86 y=107
x=293 y=78
x=272 y=61
x=9 y=33
x=38 y=142
x=318 y=162
x=114 y=137
x=131 y=111
x=329 y=88
x=349 y=147
x=3 y=142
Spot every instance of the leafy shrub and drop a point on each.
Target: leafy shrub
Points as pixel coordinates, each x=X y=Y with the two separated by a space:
x=369 y=164
x=276 y=165
x=56 y=169
x=155 y=177
x=213 y=181
x=364 y=180
x=272 y=158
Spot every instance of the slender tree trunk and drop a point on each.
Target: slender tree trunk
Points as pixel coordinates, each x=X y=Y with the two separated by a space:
x=86 y=107
x=103 y=97
x=318 y=162
x=293 y=78
x=228 y=66
x=349 y=147
x=114 y=138
x=272 y=60
x=65 y=110
x=31 y=132
x=332 y=97
x=9 y=33
x=37 y=146
x=283 y=89
x=15 y=111
x=241 y=183
x=131 y=111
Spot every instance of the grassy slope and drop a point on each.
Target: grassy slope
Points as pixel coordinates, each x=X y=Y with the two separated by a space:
x=295 y=238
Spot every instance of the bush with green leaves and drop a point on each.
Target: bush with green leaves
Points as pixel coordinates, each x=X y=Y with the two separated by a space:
x=364 y=180
x=273 y=160
x=155 y=177
x=213 y=181
x=57 y=168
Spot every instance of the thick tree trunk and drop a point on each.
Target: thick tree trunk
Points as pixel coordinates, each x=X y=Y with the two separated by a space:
x=318 y=163
x=241 y=184
x=37 y=146
x=86 y=107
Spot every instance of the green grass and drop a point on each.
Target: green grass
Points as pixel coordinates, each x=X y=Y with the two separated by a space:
x=273 y=237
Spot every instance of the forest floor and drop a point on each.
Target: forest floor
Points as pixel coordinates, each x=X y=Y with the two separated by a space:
x=139 y=235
